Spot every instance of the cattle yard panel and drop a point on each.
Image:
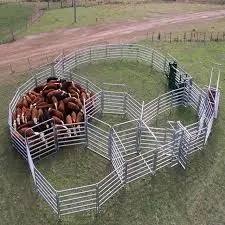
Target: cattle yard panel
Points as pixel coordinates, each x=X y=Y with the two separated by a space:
x=132 y=107
x=133 y=148
x=46 y=190
x=77 y=199
x=109 y=186
x=128 y=133
x=93 y=105
x=115 y=155
x=98 y=136
x=113 y=102
x=163 y=103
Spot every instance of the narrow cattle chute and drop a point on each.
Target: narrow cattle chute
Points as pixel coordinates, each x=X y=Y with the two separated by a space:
x=132 y=148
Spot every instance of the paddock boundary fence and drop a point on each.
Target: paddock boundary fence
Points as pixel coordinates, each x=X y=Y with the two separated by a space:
x=133 y=148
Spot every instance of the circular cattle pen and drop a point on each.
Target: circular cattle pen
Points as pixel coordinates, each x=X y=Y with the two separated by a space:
x=133 y=148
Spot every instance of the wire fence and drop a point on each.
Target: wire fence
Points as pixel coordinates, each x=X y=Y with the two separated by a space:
x=133 y=148
x=187 y=36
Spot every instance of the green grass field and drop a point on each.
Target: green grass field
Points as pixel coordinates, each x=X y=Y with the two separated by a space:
x=61 y=18
x=13 y=17
x=173 y=196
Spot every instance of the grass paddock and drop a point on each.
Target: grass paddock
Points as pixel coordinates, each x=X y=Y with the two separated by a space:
x=13 y=17
x=173 y=196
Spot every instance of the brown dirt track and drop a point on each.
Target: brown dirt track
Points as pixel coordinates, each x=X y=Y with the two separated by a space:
x=51 y=44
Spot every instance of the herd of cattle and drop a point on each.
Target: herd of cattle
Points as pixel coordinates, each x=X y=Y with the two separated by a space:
x=57 y=101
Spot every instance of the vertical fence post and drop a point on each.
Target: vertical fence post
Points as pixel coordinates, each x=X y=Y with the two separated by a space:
x=157 y=112
x=199 y=103
x=125 y=103
x=138 y=136
x=85 y=123
x=55 y=136
x=110 y=145
x=181 y=139
x=173 y=156
x=58 y=204
x=189 y=81
x=125 y=172
x=102 y=102
x=97 y=200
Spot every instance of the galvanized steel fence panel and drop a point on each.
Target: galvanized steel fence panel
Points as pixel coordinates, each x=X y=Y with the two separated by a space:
x=71 y=134
x=46 y=190
x=109 y=186
x=77 y=199
x=113 y=102
x=98 y=140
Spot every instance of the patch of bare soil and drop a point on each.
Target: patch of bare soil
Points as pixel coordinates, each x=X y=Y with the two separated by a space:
x=41 y=48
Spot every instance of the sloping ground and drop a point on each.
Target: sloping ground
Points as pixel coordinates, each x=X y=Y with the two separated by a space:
x=37 y=47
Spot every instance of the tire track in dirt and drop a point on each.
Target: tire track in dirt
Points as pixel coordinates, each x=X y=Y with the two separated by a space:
x=38 y=46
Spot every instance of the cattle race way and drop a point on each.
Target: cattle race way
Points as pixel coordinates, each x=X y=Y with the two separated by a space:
x=58 y=108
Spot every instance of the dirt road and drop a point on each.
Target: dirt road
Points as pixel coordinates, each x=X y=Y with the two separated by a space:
x=51 y=44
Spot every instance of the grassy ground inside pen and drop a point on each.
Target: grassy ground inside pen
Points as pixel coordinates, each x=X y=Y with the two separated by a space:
x=173 y=196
